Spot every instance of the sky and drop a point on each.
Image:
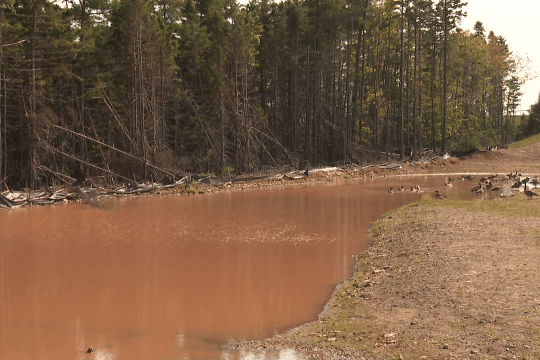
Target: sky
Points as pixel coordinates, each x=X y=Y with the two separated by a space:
x=518 y=22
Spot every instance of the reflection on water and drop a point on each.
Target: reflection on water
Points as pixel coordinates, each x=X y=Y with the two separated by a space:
x=178 y=277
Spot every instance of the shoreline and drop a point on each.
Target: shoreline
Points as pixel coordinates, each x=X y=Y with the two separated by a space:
x=437 y=306
x=420 y=291
x=97 y=195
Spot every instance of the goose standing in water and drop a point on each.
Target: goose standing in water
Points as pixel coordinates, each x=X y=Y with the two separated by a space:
x=391 y=190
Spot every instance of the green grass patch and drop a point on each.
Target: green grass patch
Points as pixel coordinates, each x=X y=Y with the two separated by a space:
x=513 y=206
x=527 y=141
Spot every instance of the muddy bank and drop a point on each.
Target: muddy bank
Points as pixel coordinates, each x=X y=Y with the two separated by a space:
x=441 y=280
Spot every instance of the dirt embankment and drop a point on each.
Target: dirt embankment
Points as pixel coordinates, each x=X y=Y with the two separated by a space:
x=442 y=279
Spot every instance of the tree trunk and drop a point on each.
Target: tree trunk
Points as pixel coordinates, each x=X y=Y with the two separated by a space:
x=445 y=70
x=401 y=149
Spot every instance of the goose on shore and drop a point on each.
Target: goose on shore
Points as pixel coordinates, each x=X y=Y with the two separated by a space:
x=530 y=194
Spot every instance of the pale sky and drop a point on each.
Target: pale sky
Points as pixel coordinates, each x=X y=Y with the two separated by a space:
x=518 y=22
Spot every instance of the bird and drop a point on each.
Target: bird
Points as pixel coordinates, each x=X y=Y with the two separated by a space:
x=391 y=190
x=489 y=186
x=469 y=177
x=401 y=188
x=448 y=184
x=450 y=179
x=476 y=188
x=417 y=188
x=496 y=188
x=530 y=194
x=517 y=185
x=438 y=195
x=412 y=188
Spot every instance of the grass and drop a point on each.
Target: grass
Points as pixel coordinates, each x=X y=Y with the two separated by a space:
x=527 y=141
x=514 y=206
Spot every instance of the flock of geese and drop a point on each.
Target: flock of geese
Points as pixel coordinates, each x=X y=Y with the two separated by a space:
x=486 y=183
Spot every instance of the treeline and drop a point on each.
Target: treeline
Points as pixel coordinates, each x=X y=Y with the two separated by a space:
x=118 y=90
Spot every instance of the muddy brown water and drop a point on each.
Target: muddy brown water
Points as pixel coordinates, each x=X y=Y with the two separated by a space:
x=178 y=277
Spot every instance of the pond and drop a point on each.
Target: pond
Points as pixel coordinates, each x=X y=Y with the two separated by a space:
x=178 y=277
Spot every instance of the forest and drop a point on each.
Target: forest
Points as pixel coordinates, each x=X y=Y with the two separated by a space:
x=133 y=90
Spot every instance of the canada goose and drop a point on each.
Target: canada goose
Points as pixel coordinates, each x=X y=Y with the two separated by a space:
x=391 y=190
x=438 y=195
x=484 y=179
x=469 y=177
x=451 y=179
x=530 y=194
x=417 y=188
x=412 y=188
x=496 y=188
x=480 y=191
x=448 y=185
x=489 y=186
x=401 y=188
x=516 y=185
x=476 y=188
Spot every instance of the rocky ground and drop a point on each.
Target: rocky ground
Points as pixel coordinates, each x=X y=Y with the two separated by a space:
x=442 y=279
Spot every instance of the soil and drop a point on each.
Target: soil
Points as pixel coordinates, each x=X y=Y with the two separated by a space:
x=441 y=279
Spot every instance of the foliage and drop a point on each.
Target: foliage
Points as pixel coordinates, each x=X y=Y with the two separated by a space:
x=218 y=85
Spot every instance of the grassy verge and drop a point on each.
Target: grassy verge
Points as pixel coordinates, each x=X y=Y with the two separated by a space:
x=517 y=205
x=527 y=141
